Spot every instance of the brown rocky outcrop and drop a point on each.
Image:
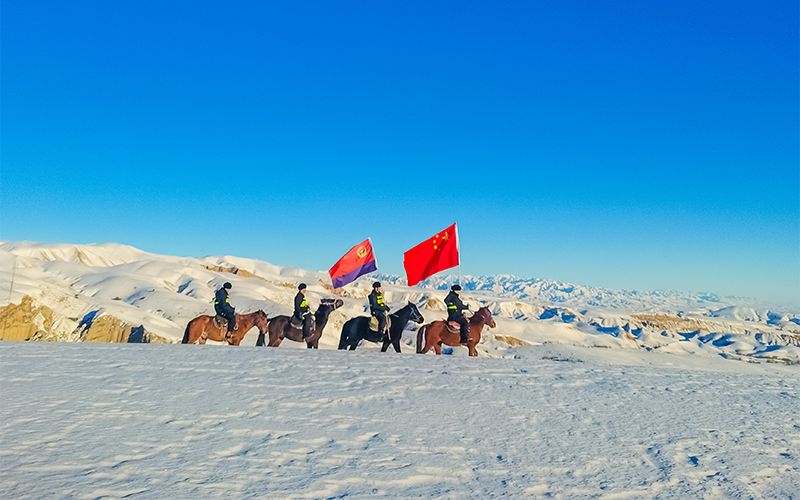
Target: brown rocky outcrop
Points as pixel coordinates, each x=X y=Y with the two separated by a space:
x=24 y=321
x=107 y=328
x=232 y=270
x=29 y=321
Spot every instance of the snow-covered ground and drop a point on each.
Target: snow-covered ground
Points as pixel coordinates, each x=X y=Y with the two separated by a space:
x=173 y=421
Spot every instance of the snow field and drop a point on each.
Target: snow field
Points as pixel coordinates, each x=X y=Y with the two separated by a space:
x=176 y=421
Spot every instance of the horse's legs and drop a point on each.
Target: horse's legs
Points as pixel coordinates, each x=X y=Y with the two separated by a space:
x=260 y=342
x=472 y=350
x=396 y=344
x=385 y=345
x=353 y=346
x=274 y=342
x=438 y=348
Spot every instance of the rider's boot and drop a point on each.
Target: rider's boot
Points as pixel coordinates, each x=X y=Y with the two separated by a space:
x=464 y=337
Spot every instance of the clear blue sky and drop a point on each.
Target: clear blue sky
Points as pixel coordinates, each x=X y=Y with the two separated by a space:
x=638 y=145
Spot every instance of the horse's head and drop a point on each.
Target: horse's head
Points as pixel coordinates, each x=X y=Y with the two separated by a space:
x=416 y=316
x=327 y=306
x=260 y=321
x=485 y=315
x=331 y=303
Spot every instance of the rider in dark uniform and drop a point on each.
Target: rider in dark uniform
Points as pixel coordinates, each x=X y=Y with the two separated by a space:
x=454 y=308
x=224 y=308
x=377 y=308
x=301 y=310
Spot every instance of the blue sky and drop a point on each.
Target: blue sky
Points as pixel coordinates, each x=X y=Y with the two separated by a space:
x=640 y=145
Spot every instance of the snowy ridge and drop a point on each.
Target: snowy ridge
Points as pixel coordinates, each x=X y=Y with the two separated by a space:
x=162 y=293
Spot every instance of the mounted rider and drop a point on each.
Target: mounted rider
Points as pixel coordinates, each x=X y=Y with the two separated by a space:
x=301 y=310
x=454 y=311
x=223 y=308
x=377 y=307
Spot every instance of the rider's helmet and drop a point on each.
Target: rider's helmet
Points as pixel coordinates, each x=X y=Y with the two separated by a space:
x=302 y=286
x=227 y=285
x=377 y=284
x=455 y=288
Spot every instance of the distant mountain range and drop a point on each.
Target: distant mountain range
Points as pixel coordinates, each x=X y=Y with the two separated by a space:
x=585 y=297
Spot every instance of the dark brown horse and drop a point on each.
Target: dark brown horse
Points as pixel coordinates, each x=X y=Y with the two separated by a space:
x=280 y=327
x=433 y=335
x=204 y=328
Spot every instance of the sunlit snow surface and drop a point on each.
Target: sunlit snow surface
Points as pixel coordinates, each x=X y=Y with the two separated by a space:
x=175 y=421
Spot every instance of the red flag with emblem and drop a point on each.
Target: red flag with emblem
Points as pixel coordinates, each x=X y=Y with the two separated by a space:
x=431 y=256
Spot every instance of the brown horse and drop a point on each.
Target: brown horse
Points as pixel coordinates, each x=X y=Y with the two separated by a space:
x=280 y=327
x=433 y=335
x=204 y=328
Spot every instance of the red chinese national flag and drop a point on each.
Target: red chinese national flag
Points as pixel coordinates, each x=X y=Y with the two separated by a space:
x=431 y=256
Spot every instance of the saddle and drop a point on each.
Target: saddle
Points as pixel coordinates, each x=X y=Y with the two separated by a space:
x=222 y=322
x=373 y=323
x=453 y=326
x=295 y=323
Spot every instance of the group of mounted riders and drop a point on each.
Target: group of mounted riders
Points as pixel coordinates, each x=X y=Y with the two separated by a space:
x=302 y=325
x=302 y=317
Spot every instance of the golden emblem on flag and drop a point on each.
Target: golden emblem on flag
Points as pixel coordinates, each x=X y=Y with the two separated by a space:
x=361 y=252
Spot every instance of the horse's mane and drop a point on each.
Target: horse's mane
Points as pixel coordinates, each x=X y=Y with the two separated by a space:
x=407 y=306
x=481 y=314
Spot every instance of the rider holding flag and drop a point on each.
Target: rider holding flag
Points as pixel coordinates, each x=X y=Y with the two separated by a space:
x=377 y=307
x=454 y=311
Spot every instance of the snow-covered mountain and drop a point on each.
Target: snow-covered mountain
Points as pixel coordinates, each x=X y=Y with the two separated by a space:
x=586 y=297
x=114 y=292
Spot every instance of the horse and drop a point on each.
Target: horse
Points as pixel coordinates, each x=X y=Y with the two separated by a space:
x=280 y=327
x=358 y=328
x=203 y=328
x=433 y=335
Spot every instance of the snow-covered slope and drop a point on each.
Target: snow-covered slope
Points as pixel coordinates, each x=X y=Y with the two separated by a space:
x=70 y=283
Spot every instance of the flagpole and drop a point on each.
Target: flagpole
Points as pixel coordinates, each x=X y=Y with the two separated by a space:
x=458 y=247
x=373 y=251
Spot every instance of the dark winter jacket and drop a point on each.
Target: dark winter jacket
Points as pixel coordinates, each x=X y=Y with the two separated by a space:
x=300 y=305
x=454 y=306
x=221 y=304
x=376 y=305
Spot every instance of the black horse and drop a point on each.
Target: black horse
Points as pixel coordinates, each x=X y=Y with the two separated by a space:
x=358 y=328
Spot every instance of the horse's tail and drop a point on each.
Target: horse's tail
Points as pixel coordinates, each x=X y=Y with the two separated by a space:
x=186 y=334
x=422 y=338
